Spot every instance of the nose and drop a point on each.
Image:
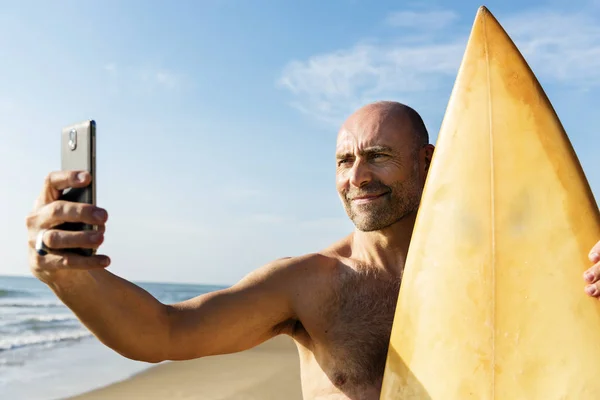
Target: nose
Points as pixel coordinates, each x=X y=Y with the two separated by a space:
x=359 y=175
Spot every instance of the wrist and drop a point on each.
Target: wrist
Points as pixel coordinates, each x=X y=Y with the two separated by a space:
x=63 y=281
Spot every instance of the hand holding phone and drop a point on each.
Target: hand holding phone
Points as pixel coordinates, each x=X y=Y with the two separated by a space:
x=66 y=226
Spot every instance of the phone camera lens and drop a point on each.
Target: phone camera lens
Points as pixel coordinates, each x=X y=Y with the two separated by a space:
x=73 y=139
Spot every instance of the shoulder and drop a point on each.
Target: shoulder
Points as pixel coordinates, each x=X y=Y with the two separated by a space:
x=293 y=275
x=295 y=269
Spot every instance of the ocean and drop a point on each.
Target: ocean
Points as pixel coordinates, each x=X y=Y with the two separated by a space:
x=47 y=354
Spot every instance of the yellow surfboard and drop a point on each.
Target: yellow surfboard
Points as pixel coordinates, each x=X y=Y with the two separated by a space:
x=492 y=304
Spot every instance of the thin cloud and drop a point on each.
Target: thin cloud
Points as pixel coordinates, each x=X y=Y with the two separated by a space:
x=416 y=66
x=146 y=79
x=569 y=55
x=427 y=20
x=328 y=86
x=111 y=68
x=161 y=78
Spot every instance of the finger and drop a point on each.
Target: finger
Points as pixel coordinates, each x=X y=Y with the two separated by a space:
x=57 y=261
x=595 y=253
x=592 y=274
x=593 y=290
x=58 y=239
x=58 y=181
x=53 y=237
x=60 y=211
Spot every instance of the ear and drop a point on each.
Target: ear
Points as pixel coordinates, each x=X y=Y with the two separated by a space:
x=426 y=156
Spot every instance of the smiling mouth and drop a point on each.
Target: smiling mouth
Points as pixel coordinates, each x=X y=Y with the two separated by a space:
x=367 y=199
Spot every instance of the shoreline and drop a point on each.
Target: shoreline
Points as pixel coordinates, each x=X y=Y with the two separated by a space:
x=52 y=356
x=268 y=371
x=65 y=370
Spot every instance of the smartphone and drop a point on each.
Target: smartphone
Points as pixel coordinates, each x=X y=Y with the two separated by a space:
x=78 y=152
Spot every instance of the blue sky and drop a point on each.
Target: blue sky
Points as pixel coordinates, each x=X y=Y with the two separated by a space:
x=217 y=119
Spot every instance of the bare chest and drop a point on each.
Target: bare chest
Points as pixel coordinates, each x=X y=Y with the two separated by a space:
x=355 y=324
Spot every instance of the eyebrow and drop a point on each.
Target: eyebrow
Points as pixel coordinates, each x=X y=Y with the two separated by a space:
x=368 y=150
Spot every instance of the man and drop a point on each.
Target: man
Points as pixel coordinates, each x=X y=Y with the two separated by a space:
x=337 y=304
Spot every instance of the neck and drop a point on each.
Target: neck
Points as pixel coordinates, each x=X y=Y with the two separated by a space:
x=386 y=248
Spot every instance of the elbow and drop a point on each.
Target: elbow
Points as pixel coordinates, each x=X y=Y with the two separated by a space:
x=154 y=345
x=177 y=339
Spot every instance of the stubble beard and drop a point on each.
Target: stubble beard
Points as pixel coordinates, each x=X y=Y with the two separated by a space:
x=401 y=199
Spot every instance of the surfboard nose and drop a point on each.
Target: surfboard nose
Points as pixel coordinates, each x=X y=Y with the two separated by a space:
x=482 y=10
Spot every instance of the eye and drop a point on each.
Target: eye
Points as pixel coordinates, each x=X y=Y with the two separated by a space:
x=378 y=156
x=343 y=161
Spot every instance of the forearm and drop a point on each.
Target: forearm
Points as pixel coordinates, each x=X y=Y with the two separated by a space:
x=120 y=314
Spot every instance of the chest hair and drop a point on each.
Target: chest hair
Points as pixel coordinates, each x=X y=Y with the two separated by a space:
x=361 y=315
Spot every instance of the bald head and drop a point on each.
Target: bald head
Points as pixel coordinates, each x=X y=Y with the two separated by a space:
x=382 y=154
x=389 y=116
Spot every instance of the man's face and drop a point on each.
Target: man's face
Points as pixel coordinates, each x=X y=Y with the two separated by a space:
x=378 y=175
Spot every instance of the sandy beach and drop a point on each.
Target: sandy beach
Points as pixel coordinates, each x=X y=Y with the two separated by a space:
x=268 y=371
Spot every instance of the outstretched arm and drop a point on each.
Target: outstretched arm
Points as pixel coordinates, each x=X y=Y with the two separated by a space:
x=130 y=320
